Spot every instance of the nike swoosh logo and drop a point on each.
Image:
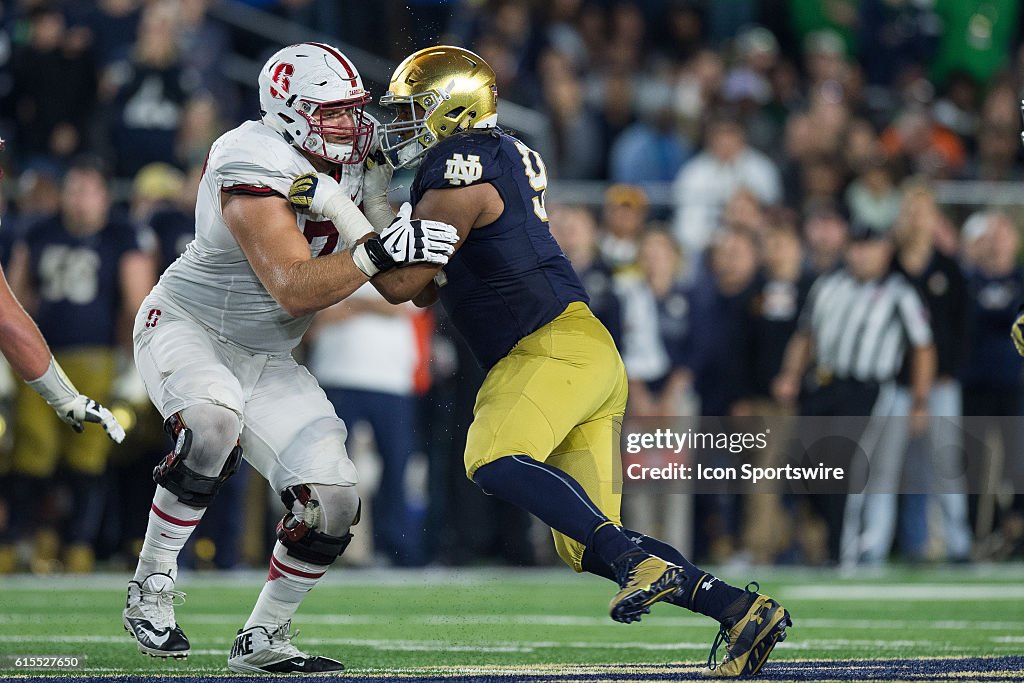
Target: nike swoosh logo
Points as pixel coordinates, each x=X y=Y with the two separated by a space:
x=157 y=640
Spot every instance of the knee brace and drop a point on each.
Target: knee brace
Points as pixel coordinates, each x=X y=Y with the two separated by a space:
x=191 y=488
x=298 y=529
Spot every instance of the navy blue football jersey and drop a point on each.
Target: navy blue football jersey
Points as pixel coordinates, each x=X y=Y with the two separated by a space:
x=77 y=279
x=508 y=278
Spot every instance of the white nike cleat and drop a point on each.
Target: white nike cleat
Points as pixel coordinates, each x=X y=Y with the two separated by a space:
x=257 y=650
x=149 y=617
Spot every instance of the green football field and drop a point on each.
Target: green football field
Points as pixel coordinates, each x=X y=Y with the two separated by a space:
x=899 y=624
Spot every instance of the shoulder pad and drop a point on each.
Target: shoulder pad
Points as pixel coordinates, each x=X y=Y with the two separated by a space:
x=462 y=160
x=253 y=159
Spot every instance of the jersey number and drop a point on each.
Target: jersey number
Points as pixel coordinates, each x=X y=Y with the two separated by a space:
x=69 y=273
x=322 y=237
x=537 y=175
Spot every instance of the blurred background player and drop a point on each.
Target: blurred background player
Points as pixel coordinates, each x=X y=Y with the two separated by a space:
x=28 y=354
x=83 y=273
x=531 y=443
x=213 y=344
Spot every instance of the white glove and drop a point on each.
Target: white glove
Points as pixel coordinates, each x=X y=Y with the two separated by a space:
x=407 y=241
x=72 y=407
x=84 y=409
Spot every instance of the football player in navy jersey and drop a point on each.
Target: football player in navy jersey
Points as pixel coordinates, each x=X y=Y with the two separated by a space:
x=547 y=418
x=82 y=272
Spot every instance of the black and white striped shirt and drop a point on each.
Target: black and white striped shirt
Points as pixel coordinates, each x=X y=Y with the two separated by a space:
x=862 y=330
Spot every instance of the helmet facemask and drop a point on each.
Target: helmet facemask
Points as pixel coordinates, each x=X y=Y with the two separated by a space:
x=407 y=138
x=340 y=132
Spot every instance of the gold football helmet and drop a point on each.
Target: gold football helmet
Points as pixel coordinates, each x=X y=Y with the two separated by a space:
x=436 y=93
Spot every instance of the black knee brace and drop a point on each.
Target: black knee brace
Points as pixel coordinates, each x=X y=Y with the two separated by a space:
x=173 y=474
x=300 y=536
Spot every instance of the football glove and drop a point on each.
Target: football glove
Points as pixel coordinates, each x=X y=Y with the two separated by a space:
x=406 y=241
x=83 y=409
x=72 y=407
x=1017 y=332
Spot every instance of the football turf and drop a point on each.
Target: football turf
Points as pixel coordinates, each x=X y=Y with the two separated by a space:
x=458 y=625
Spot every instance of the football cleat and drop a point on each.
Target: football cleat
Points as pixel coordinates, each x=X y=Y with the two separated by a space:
x=644 y=582
x=257 y=650
x=149 y=617
x=750 y=639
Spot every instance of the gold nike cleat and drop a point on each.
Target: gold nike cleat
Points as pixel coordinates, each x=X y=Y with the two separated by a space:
x=750 y=640
x=645 y=583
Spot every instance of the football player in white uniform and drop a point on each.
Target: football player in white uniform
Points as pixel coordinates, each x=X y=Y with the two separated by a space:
x=213 y=343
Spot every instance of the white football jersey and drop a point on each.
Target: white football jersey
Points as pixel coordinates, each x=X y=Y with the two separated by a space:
x=212 y=282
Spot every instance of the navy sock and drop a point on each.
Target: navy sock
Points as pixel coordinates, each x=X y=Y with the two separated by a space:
x=556 y=499
x=702 y=592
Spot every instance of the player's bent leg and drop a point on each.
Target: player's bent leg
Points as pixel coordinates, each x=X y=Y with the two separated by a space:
x=559 y=501
x=205 y=454
x=311 y=536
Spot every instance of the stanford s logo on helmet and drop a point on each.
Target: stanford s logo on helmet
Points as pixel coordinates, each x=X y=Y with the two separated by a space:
x=281 y=77
x=312 y=95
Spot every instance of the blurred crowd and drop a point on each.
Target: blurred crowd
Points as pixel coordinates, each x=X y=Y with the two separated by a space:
x=786 y=130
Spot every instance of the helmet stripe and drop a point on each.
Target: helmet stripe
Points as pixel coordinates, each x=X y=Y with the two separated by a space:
x=340 y=57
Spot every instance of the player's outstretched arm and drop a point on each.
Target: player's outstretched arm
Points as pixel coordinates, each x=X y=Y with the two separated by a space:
x=464 y=208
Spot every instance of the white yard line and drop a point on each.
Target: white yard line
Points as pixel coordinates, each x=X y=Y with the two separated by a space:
x=515 y=646
x=876 y=592
x=554 y=620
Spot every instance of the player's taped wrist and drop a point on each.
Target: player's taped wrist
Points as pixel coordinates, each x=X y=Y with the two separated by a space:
x=378 y=211
x=352 y=225
x=54 y=386
x=371 y=257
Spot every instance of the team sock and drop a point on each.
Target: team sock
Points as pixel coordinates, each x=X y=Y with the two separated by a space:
x=556 y=499
x=287 y=583
x=170 y=524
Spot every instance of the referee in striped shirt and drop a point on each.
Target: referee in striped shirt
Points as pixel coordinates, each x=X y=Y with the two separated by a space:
x=856 y=329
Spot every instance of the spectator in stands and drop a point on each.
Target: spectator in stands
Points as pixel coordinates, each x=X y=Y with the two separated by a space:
x=943 y=289
x=204 y=45
x=707 y=181
x=575 y=230
x=762 y=335
x=929 y=149
x=825 y=233
x=147 y=92
x=874 y=197
x=579 y=148
x=661 y=380
x=54 y=88
x=365 y=354
x=622 y=221
x=112 y=26
x=721 y=295
x=992 y=380
x=83 y=273
x=650 y=150
x=200 y=125
x=998 y=145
